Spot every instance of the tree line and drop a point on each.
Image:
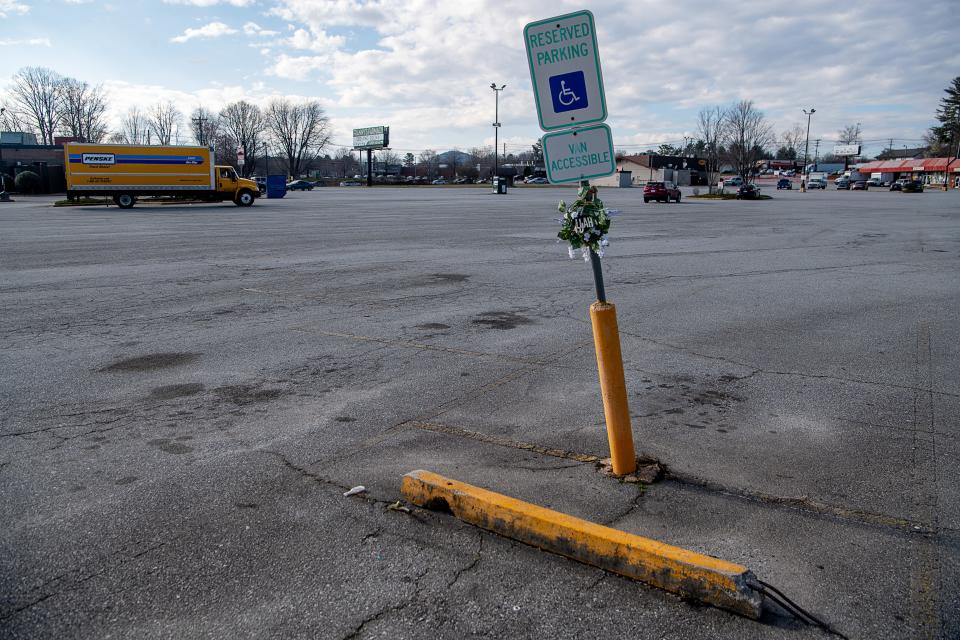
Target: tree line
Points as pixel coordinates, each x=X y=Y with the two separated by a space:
x=49 y=105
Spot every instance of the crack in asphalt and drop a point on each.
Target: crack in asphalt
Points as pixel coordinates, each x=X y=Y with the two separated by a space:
x=76 y=584
x=477 y=556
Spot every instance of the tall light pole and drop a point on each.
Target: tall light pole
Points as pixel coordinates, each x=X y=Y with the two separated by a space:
x=806 y=147
x=496 y=122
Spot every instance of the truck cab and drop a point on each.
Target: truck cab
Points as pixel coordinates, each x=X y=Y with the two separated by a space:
x=241 y=190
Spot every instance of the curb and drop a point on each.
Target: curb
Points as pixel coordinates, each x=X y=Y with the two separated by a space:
x=688 y=573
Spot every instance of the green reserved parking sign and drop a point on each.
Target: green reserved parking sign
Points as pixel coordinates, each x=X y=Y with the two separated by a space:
x=565 y=71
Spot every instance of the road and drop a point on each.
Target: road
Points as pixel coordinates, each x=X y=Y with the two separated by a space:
x=187 y=391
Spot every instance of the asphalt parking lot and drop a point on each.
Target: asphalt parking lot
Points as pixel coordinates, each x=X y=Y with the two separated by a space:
x=187 y=391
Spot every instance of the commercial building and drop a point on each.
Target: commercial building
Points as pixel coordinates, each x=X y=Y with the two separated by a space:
x=19 y=152
x=684 y=171
x=931 y=171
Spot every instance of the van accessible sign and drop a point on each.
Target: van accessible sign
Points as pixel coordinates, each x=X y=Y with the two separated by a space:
x=565 y=70
x=579 y=154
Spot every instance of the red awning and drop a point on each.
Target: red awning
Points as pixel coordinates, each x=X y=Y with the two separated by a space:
x=901 y=166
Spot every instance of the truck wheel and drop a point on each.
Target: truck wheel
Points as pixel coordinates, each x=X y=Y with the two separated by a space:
x=125 y=200
x=244 y=199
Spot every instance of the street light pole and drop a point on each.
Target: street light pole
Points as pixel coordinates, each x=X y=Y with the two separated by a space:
x=496 y=123
x=806 y=147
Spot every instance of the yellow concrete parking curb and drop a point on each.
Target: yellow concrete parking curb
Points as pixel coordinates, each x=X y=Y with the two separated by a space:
x=694 y=575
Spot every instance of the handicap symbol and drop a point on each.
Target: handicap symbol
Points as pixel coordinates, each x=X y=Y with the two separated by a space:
x=568 y=92
x=566 y=96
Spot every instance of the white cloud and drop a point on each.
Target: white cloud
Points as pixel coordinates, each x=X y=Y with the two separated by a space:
x=210 y=3
x=424 y=66
x=31 y=42
x=211 y=30
x=253 y=29
x=12 y=7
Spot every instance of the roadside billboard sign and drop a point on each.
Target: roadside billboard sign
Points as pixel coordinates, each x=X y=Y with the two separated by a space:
x=579 y=154
x=371 y=138
x=846 y=150
x=565 y=71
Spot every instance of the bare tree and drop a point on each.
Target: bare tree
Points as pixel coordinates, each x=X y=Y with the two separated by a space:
x=299 y=129
x=204 y=126
x=792 y=140
x=164 y=120
x=429 y=159
x=345 y=162
x=225 y=150
x=710 y=130
x=746 y=134
x=245 y=125
x=35 y=94
x=12 y=120
x=850 y=134
x=83 y=109
x=134 y=128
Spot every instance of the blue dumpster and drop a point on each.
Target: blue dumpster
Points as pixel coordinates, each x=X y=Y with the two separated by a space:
x=276 y=186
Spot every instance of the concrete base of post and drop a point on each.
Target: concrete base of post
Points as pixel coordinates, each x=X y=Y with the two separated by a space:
x=606 y=338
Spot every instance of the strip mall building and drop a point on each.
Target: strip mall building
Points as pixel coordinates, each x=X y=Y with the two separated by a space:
x=932 y=171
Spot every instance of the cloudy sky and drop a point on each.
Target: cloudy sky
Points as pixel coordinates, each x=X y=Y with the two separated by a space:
x=424 y=67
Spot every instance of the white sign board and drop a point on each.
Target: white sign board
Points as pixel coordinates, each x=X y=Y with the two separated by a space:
x=241 y=155
x=371 y=138
x=846 y=150
x=565 y=71
x=579 y=154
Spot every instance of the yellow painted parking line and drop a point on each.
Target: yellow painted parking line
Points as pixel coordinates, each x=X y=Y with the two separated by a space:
x=688 y=573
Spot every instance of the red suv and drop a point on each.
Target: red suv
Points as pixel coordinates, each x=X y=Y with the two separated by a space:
x=661 y=192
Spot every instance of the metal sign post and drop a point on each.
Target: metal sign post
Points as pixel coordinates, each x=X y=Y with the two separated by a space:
x=568 y=89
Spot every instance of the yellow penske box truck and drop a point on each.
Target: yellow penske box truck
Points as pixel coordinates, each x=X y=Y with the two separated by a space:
x=129 y=171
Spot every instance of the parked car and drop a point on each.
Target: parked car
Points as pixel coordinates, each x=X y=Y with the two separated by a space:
x=350 y=183
x=299 y=185
x=261 y=183
x=874 y=182
x=858 y=185
x=439 y=181
x=733 y=182
x=817 y=183
x=661 y=192
x=748 y=192
x=842 y=183
x=784 y=183
x=897 y=185
x=912 y=186
x=537 y=180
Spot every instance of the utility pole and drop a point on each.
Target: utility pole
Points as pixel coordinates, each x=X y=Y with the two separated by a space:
x=496 y=124
x=199 y=120
x=806 y=147
x=816 y=154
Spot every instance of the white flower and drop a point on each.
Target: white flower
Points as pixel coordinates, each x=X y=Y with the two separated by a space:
x=570 y=252
x=586 y=237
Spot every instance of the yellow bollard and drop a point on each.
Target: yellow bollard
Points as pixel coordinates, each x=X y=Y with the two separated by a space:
x=606 y=338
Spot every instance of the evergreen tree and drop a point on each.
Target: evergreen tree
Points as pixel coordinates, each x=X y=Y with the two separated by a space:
x=945 y=138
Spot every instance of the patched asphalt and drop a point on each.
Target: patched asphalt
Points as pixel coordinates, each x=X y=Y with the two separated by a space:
x=186 y=392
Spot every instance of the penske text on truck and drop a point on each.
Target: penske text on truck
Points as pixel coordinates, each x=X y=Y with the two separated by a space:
x=127 y=172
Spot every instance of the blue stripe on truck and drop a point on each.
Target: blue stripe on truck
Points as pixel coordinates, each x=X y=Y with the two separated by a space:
x=76 y=158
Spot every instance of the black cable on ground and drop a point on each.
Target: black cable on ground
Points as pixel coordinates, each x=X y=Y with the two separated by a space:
x=794 y=609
